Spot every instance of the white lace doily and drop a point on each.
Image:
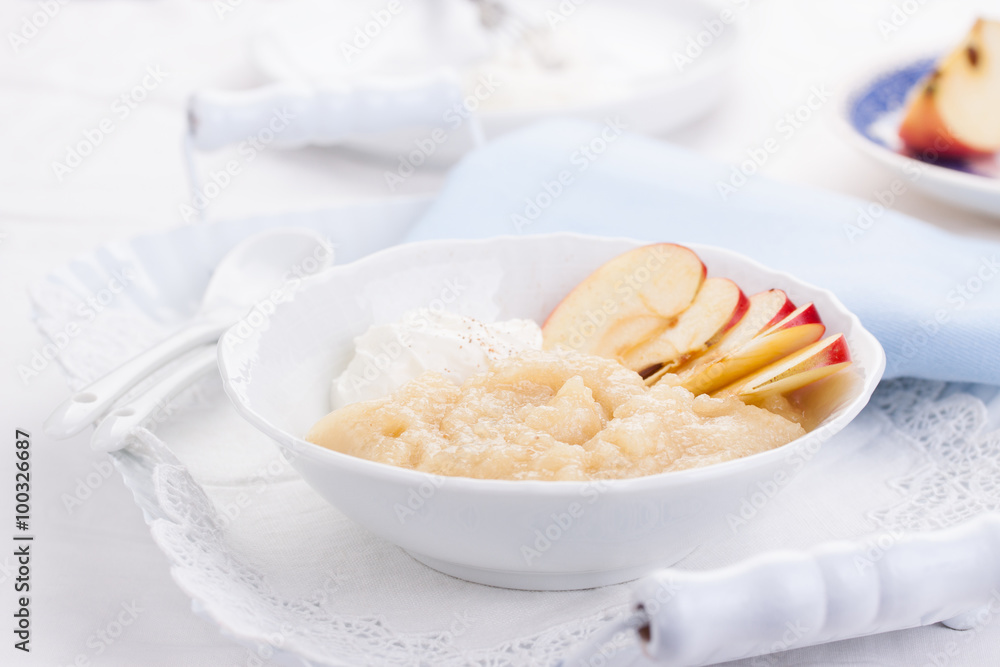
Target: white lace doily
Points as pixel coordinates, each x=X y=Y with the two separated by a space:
x=280 y=570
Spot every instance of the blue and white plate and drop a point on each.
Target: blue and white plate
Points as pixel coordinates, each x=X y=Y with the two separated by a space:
x=871 y=114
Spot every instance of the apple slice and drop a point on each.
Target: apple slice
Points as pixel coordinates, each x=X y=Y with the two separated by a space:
x=954 y=111
x=764 y=309
x=623 y=334
x=806 y=314
x=753 y=355
x=653 y=357
x=822 y=398
x=648 y=285
x=719 y=305
x=795 y=371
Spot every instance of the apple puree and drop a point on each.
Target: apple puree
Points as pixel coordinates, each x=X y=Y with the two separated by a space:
x=550 y=416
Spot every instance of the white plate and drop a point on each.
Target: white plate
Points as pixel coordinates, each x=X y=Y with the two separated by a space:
x=696 y=50
x=869 y=116
x=318 y=590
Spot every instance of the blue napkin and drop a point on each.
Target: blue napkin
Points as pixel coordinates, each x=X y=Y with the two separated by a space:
x=931 y=298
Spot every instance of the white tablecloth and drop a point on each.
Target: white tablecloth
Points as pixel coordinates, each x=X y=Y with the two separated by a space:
x=93 y=560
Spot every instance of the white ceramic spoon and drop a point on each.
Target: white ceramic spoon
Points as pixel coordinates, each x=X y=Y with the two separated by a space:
x=153 y=406
x=246 y=275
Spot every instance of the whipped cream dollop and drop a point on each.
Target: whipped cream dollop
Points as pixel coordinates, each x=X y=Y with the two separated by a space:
x=387 y=356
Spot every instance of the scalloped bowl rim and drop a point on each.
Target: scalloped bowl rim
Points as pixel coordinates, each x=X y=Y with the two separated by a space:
x=305 y=449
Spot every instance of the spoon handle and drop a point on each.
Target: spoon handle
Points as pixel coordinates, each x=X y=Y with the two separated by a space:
x=85 y=406
x=154 y=405
x=784 y=599
x=294 y=114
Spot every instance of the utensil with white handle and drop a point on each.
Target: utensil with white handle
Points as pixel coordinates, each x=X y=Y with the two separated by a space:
x=784 y=600
x=291 y=114
x=110 y=434
x=250 y=272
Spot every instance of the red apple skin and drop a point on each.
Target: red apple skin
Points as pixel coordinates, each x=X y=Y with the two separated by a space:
x=741 y=329
x=711 y=288
x=786 y=309
x=774 y=303
x=748 y=359
x=952 y=113
x=827 y=352
x=924 y=131
x=793 y=383
x=793 y=372
x=806 y=314
x=548 y=320
x=654 y=281
x=835 y=351
x=741 y=309
x=719 y=303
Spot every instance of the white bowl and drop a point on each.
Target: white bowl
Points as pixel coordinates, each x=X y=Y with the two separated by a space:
x=654 y=104
x=517 y=534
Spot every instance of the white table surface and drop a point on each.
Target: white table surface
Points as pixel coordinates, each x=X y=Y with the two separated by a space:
x=90 y=561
